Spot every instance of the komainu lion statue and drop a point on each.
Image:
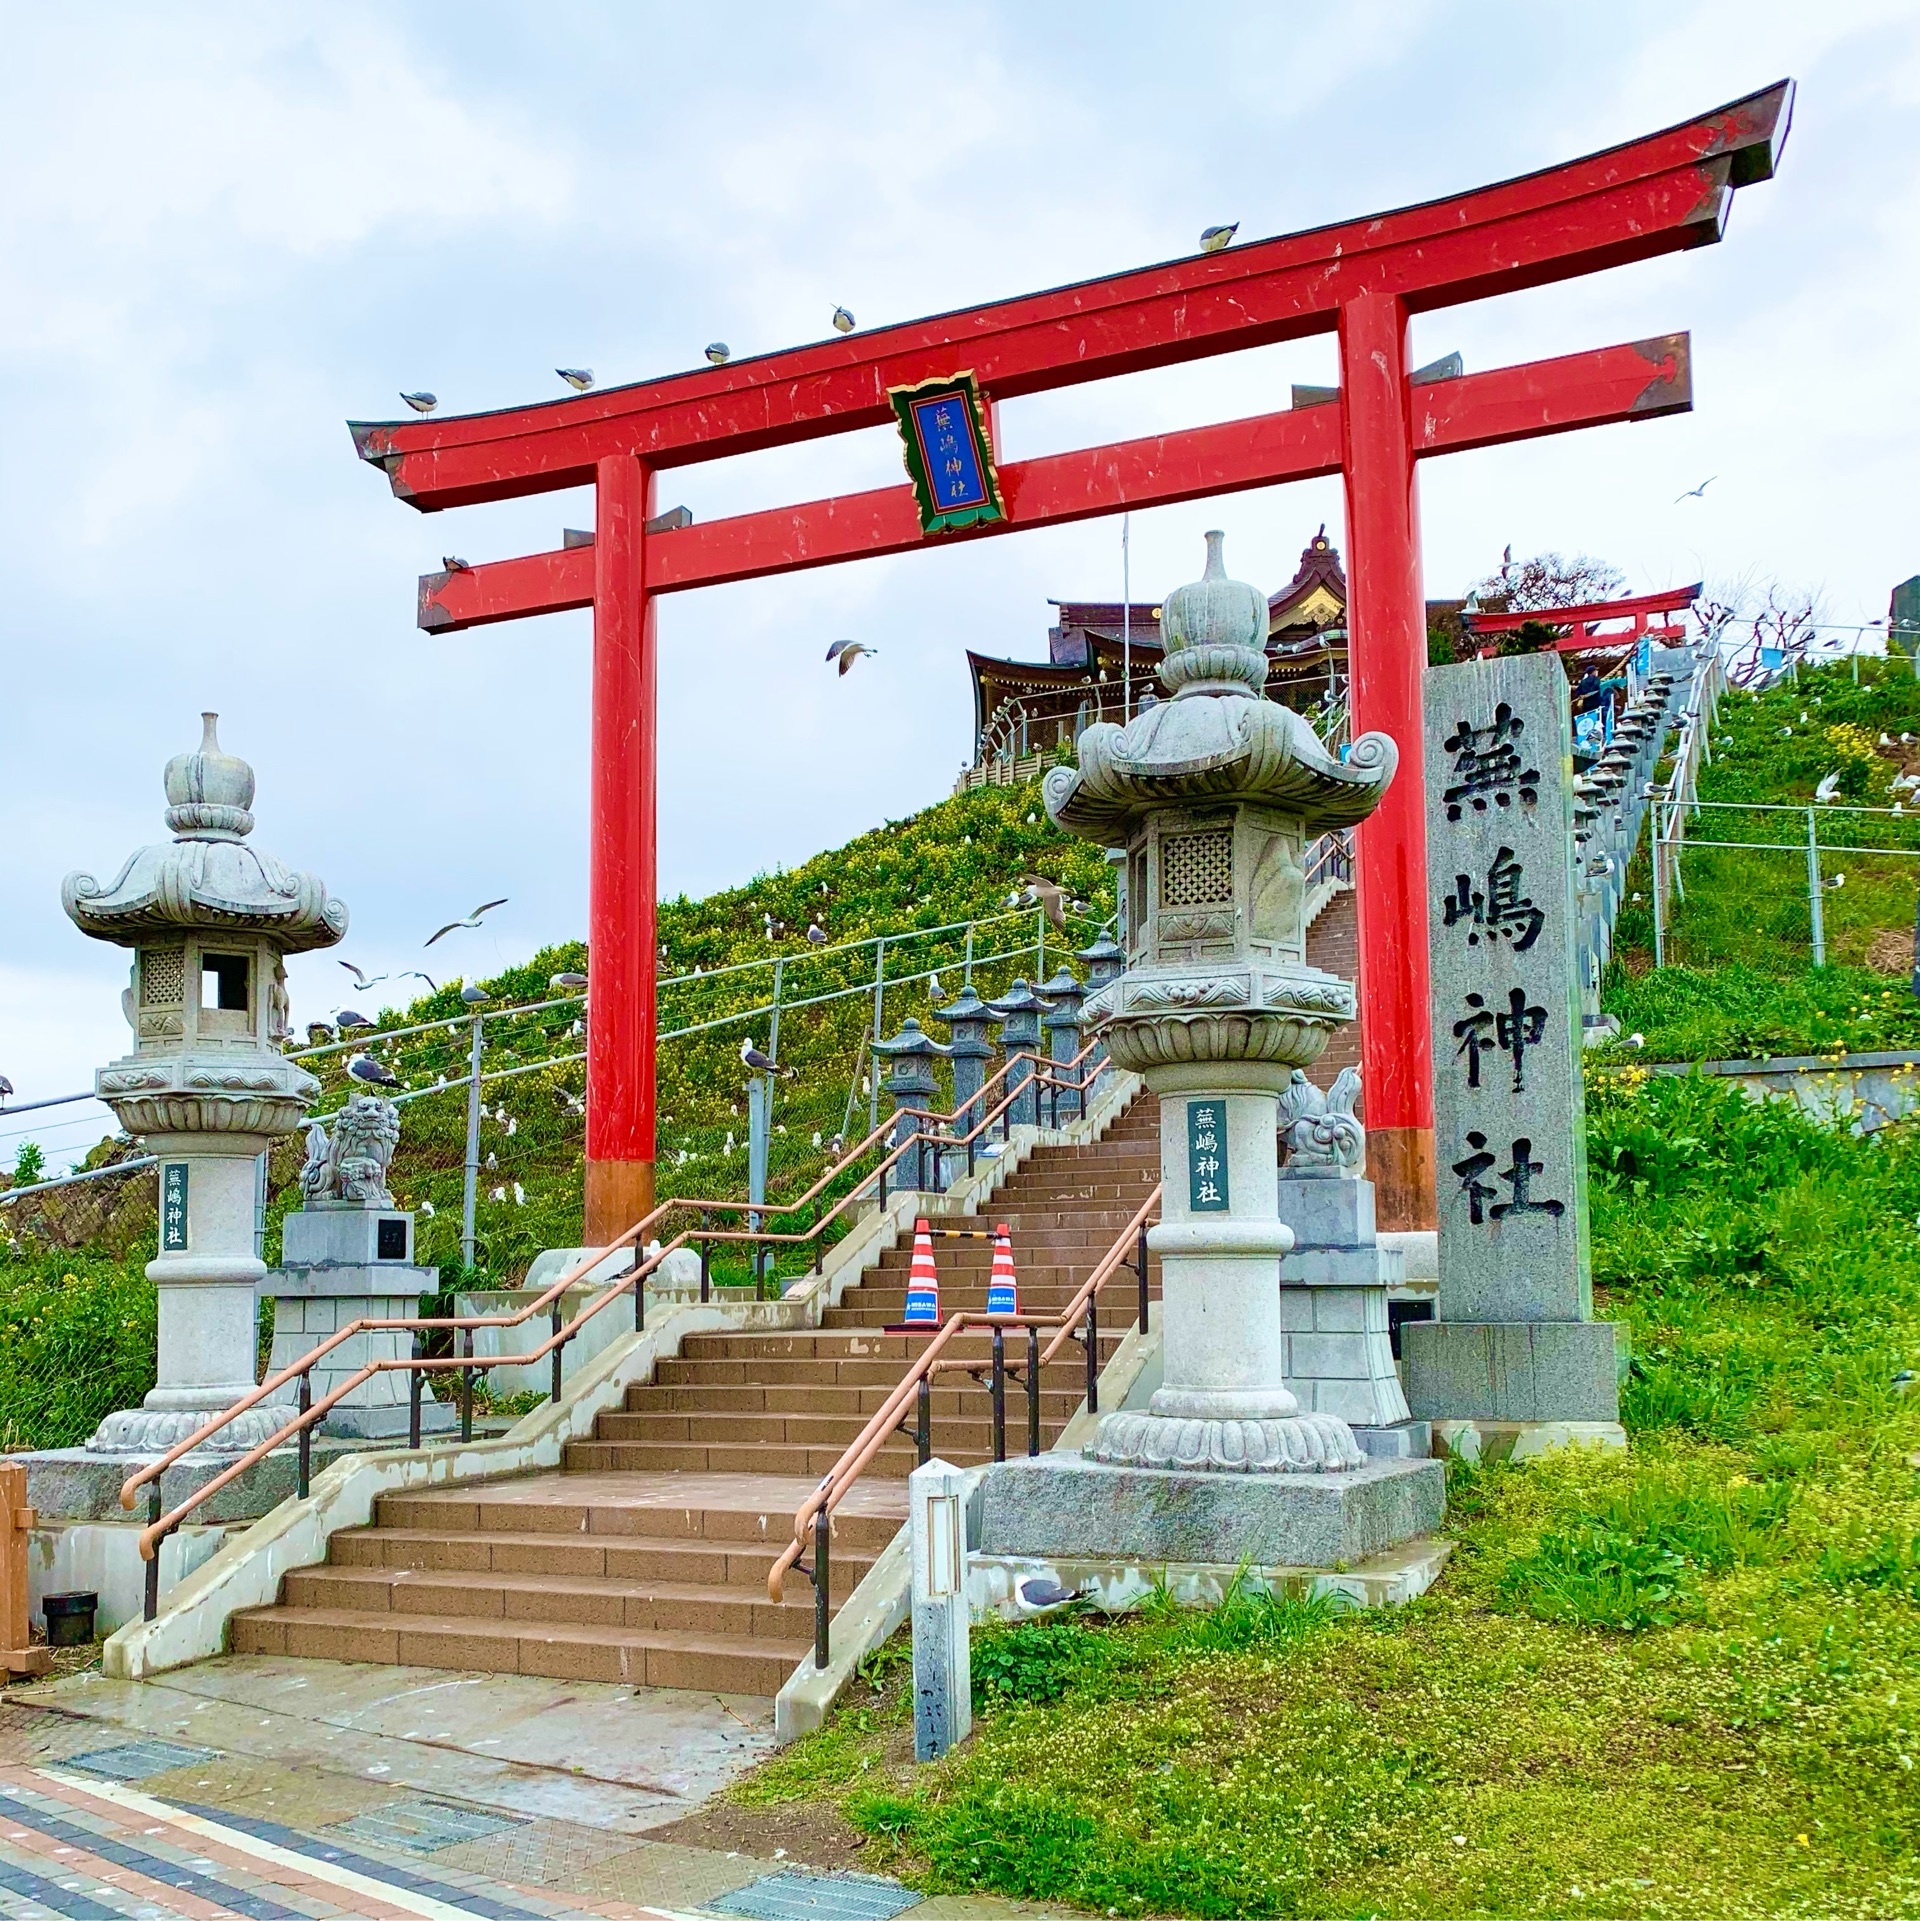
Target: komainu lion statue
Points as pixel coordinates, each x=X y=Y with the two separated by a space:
x=1322 y=1136
x=350 y=1164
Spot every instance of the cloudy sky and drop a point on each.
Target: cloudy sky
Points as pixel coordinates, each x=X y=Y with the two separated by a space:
x=226 y=229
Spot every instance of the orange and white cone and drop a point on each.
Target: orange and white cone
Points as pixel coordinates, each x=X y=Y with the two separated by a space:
x=1003 y=1291
x=923 y=1284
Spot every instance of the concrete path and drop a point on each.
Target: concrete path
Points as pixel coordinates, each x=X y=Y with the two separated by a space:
x=268 y=1788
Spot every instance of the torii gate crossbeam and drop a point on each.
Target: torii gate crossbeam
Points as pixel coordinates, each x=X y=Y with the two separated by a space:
x=1362 y=280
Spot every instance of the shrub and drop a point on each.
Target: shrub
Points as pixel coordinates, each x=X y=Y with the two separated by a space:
x=1598 y=1577
x=77 y=1340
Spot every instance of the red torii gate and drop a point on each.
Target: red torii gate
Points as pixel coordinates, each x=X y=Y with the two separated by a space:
x=1361 y=280
x=1580 y=621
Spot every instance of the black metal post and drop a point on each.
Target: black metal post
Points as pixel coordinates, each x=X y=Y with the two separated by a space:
x=822 y=1604
x=1140 y=1268
x=923 y=1420
x=557 y=1350
x=999 y=1393
x=1033 y=1390
x=466 y=1385
x=416 y=1387
x=152 y=1611
x=304 y=1475
x=706 y=1261
x=1093 y=1354
x=639 y=1296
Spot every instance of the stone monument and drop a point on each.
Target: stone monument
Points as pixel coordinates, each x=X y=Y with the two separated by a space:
x=1215 y=793
x=1515 y=1360
x=1334 y=1282
x=347 y=1255
x=210 y=918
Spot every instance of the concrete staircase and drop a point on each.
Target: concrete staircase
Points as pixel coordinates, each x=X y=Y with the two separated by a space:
x=645 y=1558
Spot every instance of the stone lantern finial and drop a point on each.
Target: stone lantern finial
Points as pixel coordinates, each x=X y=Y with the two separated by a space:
x=209 y=792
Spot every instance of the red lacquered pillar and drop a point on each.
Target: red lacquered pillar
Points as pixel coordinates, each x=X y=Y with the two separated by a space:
x=622 y=889
x=1387 y=650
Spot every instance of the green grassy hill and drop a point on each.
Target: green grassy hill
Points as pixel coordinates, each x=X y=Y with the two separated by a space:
x=1742 y=982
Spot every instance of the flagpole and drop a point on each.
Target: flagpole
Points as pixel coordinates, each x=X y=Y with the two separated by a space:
x=1126 y=623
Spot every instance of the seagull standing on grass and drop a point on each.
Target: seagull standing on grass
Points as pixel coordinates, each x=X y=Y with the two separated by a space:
x=816 y=934
x=473 y=920
x=1828 y=790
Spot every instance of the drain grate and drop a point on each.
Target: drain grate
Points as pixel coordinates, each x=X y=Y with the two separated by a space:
x=421 y=1826
x=818 y=1897
x=135 y=1760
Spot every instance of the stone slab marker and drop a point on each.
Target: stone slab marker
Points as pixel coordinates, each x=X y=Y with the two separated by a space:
x=942 y=1654
x=1515 y=1341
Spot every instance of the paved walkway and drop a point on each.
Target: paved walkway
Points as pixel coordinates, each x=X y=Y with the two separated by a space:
x=269 y=1788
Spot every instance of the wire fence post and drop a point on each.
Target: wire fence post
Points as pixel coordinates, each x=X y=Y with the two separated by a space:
x=471 y=1191
x=968 y=977
x=879 y=1031
x=773 y=1024
x=1659 y=905
x=759 y=1104
x=1813 y=891
x=1039 y=945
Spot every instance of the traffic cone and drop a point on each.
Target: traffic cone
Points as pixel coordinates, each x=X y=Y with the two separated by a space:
x=923 y=1284
x=1003 y=1291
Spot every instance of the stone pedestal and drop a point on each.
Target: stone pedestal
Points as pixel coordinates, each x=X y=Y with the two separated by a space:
x=1333 y=1311
x=342 y=1263
x=942 y=1665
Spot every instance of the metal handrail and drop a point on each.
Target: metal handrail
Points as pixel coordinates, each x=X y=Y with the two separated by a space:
x=310 y=1412
x=1080 y=1313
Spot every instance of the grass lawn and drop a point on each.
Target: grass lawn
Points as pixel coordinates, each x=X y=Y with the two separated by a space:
x=1683 y=1681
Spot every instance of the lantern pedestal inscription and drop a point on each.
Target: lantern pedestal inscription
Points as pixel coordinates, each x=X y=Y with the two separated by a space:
x=1515 y=1345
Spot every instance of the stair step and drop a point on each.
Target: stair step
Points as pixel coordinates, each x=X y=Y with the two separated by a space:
x=650 y=1657
x=688 y=1562
x=895 y=1460
x=551 y=1599
x=815 y=1397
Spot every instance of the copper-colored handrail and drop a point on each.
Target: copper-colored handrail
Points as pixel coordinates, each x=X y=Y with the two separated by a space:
x=842 y=1475
x=161 y=1525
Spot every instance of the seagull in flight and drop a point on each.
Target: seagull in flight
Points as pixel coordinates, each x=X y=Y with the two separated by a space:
x=1051 y=899
x=422 y=403
x=414 y=974
x=1696 y=493
x=578 y=378
x=753 y=1060
x=846 y=652
x=1212 y=239
x=472 y=920
x=363 y=1067
x=362 y=979
x=843 y=322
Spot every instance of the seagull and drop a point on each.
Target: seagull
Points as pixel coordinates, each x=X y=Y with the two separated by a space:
x=1212 y=239
x=1039 y=1595
x=568 y=982
x=1696 y=493
x=361 y=979
x=1829 y=789
x=578 y=378
x=318 y=1033
x=816 y=934
x=719 y=352
x=363 y=1067
x=1042 y=893
x=753 y=1060
x=472 y=920
x=842 y=321
x=847 y=652
x=346 y=1019
x=473 y=995
x=934 y=990
x=1836 y=880
x=414 y=974
x=422 y=403
x=6 y=1088
x=453 y=564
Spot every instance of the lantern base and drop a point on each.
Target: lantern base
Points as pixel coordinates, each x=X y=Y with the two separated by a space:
x=1298 y=1444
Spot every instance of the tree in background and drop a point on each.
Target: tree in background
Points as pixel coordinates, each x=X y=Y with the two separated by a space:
x=1548 y=580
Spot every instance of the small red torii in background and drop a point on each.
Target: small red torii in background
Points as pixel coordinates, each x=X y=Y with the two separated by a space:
x=1361 y=280
x=1580 y=621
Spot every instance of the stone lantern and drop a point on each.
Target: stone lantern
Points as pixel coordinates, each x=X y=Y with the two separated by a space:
x=911 y=1055
x=1215 y=795
x=1106 y=960
x=1020 y=1008
x=967 y=1018
x=210 y=918
x=1063 y=1033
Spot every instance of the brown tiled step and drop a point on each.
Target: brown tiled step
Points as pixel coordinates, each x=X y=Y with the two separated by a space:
x=699 y=1428
x=653 y=1657
x=550 y=1600
x=816 y=1398
x=895 y=1460
x=684 y=1562
x=463 y=1511
x=759 y=1352
x=862 y=1373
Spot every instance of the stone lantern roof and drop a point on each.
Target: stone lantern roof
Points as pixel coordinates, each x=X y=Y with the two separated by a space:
x=1217 y=738
x=208 y=877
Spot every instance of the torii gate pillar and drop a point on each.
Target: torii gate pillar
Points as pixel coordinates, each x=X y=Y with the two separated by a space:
x=1387 y=654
